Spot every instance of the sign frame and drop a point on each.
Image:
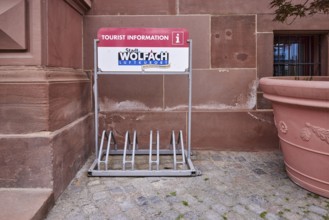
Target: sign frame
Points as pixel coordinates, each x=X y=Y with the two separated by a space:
x=143 y=50
x=150 y=70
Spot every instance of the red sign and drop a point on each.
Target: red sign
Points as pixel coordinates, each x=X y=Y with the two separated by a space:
x=143 y=37
x=143 y=49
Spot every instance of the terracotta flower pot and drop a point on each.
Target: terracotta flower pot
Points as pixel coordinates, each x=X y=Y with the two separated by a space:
x=301 y=113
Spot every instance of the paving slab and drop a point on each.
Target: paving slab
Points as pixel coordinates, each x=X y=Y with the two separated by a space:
x=233 y=185
x=25 y=203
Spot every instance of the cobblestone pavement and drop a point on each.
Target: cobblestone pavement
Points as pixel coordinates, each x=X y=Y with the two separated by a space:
x=234 y=185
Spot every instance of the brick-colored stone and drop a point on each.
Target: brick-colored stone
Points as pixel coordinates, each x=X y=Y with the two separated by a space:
x=224 y=7
x=32 y=53
x=235 y=131
x=223 y=89
x=197 y=25
x=22 y=204
x=176 y=91
x=238 y=131
x=130 y=92
x=23 y=107
x=233 y=41
x=46 y=101
x=143 y=122
x=13 y=11
x=138 y=7
x=46 y=159
x=64 y=36
x=318 y=22
x=71 y=148
x=25 y=161
x=23 y=118
x=23 y=93
x=68 y=101
x=265 y=42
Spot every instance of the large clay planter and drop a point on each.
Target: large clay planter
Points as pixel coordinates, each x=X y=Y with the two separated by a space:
x=301 y=113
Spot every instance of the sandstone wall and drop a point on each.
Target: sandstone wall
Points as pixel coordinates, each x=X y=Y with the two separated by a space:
x=46 y=118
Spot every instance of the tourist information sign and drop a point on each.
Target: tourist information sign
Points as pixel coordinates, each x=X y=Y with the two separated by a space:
x=143 y=49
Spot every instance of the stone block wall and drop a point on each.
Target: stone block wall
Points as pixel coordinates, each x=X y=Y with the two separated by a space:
x=46 y=118
x=232 y=50
x=46 y=63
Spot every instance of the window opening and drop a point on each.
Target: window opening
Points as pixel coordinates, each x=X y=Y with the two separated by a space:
x=297 y=55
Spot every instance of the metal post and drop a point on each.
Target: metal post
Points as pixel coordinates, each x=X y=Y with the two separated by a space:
x=96 y=96
x=127 y=144
x=101 y=149
x=158 y=150
x=174 y=148
x=108 y=148
x=189 y=101
x=180 y=141
x=150 y=152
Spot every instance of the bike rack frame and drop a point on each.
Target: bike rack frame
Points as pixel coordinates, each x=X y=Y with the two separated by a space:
x=100 y=166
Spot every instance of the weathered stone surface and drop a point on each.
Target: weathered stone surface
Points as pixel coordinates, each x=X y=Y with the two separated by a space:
x=265 y=54
x=239 y=131
x=197 y=25
x=45 y=115
x=25 y=161
x=143 y=122
x=31 y=53
x=39 y=74
x=47 y=101
x=23 y=93
x=233 y=41
x=23 y=118
x=23 y=107
x=224 y=7
x=22 y=204
x=214 y=90
x=124 y=93
x=64 y=36
x=309 y=23
x=71 y=147
x=46 y=159
x=139 y=7
x=37 y=102
x=68 y=101
x=12 y=12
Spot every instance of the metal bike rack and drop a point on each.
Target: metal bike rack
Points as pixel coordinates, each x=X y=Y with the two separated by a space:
x=108 y=148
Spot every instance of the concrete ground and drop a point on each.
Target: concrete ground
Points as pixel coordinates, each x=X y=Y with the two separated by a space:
x=234 y=185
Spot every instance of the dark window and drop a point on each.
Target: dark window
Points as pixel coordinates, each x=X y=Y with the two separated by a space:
x=297 y=55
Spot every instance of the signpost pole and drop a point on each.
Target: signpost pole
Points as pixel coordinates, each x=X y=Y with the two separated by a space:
x=96 y=96
x=189 y=101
